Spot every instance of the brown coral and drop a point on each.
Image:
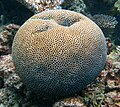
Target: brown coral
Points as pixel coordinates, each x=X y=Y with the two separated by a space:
x=58 y=52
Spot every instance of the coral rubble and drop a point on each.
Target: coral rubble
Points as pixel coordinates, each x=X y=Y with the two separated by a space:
x=70 y=102
x=6 y=38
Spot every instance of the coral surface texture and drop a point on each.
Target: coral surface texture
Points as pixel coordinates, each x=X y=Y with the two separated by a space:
x=58 y=52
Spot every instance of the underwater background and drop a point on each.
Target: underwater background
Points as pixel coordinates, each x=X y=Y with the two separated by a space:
x=103 y=92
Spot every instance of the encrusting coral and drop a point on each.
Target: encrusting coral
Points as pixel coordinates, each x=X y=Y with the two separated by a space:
x=58 y=52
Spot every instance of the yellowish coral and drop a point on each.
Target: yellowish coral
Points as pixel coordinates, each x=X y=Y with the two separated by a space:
x=58 y=52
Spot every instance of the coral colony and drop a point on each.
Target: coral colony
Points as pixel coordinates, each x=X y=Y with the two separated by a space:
x=57 y=53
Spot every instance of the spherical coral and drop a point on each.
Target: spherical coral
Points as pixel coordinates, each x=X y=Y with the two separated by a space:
x=58 y=52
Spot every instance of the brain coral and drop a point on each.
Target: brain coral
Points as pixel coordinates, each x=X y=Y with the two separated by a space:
x=58 y=52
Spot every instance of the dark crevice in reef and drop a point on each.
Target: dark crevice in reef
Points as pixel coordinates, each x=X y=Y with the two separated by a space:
x=117 y=30
x=14 y=12
x=94 y=6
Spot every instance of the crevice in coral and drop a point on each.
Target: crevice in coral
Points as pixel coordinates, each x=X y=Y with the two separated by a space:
x=43 y=29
